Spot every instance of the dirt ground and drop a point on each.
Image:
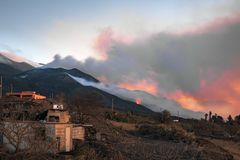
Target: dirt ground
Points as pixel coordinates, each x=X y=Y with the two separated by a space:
x=232 y=147
x=125 y=126
x=121 y=140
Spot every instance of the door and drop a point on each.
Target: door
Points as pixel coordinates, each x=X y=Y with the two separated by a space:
x=68 y=139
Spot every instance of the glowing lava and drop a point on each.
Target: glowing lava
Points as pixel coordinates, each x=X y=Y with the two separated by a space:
x=138 y=101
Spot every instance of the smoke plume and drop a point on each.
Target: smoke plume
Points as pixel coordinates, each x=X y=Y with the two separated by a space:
x=140 y=97
x=198 y=68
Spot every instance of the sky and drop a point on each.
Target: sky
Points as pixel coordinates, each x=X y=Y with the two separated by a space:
x=186 y=51
x=70 y=27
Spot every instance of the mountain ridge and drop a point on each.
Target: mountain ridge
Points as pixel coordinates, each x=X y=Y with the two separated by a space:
x=51 y=81
x=10 y=67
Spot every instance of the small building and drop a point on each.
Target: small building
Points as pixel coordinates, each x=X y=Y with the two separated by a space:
x=59 y=127
x=26 y=94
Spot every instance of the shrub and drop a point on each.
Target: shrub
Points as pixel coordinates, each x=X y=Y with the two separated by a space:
x=163 y=117
x=167 y=132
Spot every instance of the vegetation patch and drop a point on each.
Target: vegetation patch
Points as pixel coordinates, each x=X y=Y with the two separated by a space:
x=167 y=132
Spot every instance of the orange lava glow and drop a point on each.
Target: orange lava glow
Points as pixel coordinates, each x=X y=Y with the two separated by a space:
x=149 y=86
x=138 y=101
x=221 y=96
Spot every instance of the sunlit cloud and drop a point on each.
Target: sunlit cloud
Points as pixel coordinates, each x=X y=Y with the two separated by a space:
x=147 y=85
x=104 y=41
x=190 y=69
x=220 y=96
x=212 y=25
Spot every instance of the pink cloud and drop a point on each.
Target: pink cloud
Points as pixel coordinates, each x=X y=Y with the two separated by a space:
x=13 y=57
x=105 y=40
x=221 y=95
x=147 y=85
x=212 y=25
x=103 y=79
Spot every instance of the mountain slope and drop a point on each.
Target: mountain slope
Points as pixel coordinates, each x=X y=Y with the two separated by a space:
x=10 y=67
x=16 y=58
x=156 y=104
x=8 y=70
x=56 y=81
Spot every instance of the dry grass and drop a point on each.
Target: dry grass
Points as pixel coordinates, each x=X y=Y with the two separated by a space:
x=125 y=126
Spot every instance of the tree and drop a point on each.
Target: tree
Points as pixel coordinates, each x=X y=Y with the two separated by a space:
x=25 y=139
x=230 y=120
x=206 y=115
x=210 y=116
x=61 y=98
x=83 y=105
x=166 y=116
x=217 y=119
x=237 y=119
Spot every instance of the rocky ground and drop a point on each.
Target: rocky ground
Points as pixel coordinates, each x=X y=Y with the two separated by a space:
x=120 y=141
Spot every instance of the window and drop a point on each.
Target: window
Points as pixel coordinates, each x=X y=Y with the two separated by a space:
x=53 y=118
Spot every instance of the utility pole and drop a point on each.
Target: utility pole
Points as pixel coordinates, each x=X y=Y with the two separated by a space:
x=178 y=115
x=112 y=104
x=11 y=88
x=1 y=88
x=51 y=95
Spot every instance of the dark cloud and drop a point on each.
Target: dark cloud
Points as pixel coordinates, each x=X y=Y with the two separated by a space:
x=154 y=103
x=176 y=62
x=179 y=61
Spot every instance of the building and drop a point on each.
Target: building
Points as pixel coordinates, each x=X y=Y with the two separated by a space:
x=52 y=124
x=59 y=127
x=26 y=94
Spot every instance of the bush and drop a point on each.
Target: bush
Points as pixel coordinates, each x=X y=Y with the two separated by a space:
x=188 y=127
x=116 y=117
x=209 y=129
x=167 y=132
x=163 y=117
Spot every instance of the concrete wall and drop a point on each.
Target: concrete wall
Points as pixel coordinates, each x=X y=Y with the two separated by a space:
x=59 y=131
x=79 y=133
x=64 y=116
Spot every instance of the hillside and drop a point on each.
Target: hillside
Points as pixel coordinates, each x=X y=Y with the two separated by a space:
x=133 y=137
x=57 y=81
x=10 y=67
